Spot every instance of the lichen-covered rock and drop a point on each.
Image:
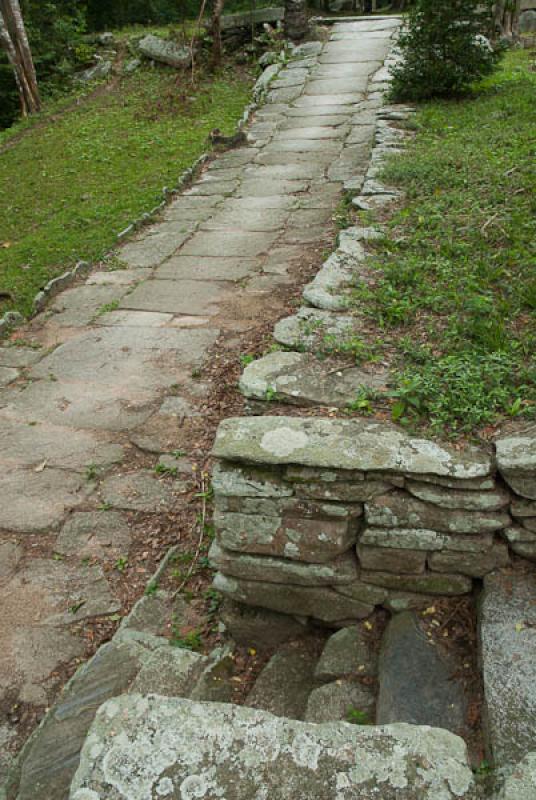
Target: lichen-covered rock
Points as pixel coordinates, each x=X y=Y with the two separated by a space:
x=326 y=290
x=459 y=499
x=147 y=748
x=307 y=329
x=289 y=536
x=304 y=380
x=521 y=783
x=347 y=652
x=320 y=603
x=516 y=459
x=521 y=541
x=475 y=565
x=337 y=700
x=235 y=480
x=400 y=510
x=423 y=539
x=165 y=51
x=403 y=561
x=280 y=570
x=344 y=444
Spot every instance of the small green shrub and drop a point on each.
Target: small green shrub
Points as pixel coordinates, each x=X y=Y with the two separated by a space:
x=443 y=49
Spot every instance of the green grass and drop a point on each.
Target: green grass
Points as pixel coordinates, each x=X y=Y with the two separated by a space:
x=456 y=288
x=80 y=175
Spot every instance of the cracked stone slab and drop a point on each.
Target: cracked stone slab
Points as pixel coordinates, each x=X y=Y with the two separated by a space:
x=142 y=491
x=344 y=444
x=45 y=445
x=230 y=244
x=8 y=375
x=77 y=307
x=301 y=379
x=206 y=268
x=37 y=502
x=150 y=251
x=20 y=357
x=94 y=534
x=177 y=297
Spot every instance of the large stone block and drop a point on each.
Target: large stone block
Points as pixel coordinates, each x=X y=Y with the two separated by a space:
x=234 y=480
x=400 y=510
x=475 y=565
x=516 y=459
x=344 y=444
x=423 y=539
x=427 y=583
x=347 y=652
x=507 y=632
x=466 y=500
x=390 y=559
x=146 y=748
x=342 y=569
x=319 y=603
x=297 y=538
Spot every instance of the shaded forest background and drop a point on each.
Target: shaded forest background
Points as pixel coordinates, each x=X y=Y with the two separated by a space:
x=58 y=31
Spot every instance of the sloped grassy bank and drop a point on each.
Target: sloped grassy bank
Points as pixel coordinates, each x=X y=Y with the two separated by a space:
x=78 y=177
x=455 y=294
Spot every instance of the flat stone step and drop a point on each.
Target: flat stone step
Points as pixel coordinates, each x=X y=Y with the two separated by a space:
x=314 y=329
x=507 y=633
x=416 y=680
x=284 y=685
x=154 y=747
x=303 y=380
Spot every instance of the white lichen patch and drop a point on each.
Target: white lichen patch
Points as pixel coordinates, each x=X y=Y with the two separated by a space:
x=283 y=441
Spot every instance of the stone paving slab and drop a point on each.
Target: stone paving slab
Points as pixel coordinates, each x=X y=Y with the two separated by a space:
x=210 y=268
x=176 y=296
x=230 y=244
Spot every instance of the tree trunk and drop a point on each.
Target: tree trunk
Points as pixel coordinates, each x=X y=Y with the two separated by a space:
x=296 y=22
x=14 y=41
x=217 y=9
x=506 y=18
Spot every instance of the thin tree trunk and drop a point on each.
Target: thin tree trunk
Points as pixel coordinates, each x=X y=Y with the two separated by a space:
x=217 y=10
x=14 y=41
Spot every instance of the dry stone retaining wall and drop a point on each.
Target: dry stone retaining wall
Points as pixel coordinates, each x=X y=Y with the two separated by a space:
x=326 y=518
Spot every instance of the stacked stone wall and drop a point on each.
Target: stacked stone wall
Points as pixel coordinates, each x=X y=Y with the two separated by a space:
x=325 y=518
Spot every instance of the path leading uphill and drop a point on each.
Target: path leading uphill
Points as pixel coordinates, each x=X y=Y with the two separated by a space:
x=112 y=381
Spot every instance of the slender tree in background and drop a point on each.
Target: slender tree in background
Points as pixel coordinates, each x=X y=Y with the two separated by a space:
x=506 y=17
x=217 y=10
x=14 y=41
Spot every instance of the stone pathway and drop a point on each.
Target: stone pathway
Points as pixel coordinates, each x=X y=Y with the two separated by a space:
x=111 y=381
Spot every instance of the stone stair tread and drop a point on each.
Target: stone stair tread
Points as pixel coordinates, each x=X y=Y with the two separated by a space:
x=507 y=632
x=153 y=747
x=304 y=380
x=284 y=685
x=338 y=700
x=416 y=683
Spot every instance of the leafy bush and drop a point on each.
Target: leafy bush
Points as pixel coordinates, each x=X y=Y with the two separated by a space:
x=443 y=49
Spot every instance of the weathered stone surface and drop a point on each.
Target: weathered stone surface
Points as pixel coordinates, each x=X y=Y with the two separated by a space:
x=335 y=701
x=164 y=50
x=475 y=565
x=176 y=297
x=34 y=502
x=527 y=24
x=422 y=539
x=16 y=356
x=235 y=480
x=364 y=592
x=523 y=508
x=190 y=749
x=507 y=629
x=343 y=444
x=428 y=583
x=301 y=379
x=326 y=289
x=320 y=603
x=347 y=652
x=307 y=329
x=400 y=510
x=94 y=533
x=516 y=459
x=521 y=783
x=141 y=491
x=416 y=682
x=390 y=559
x=459 y=499
x=215 y=682
x=279 y=570
x=522 y=542
x=50 y=758
x=258 y=627
x=170 y=672
x=10 y=555
x=354 y=492
x=288 y=536
x=285 y=683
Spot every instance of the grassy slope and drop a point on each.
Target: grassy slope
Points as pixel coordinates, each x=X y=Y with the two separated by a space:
x=72 y=183
x=456 y=293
